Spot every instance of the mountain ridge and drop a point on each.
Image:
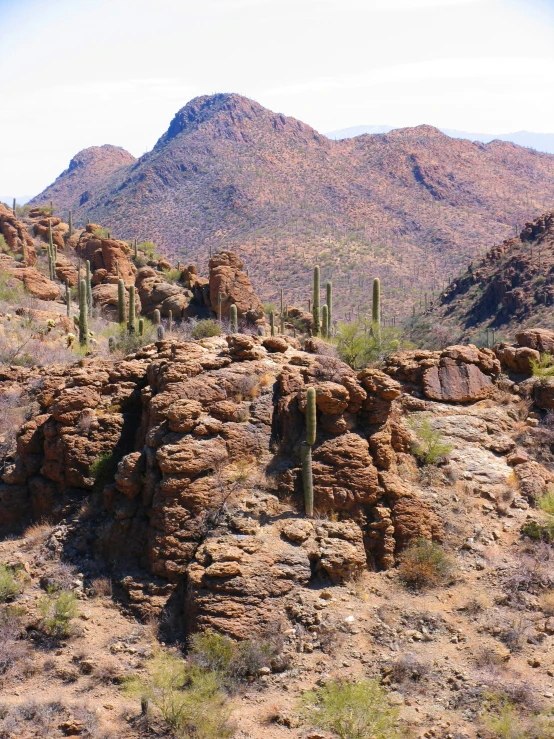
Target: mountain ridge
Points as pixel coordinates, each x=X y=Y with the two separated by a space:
x=543 y=142
x=228 y=172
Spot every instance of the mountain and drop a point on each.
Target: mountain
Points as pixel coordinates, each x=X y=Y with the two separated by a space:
x=409 y=206
x=511 y=288
x=540 y=141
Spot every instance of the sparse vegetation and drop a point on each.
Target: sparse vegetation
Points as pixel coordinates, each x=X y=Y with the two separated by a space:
x=352 y=710
x=190 y=700
x=9 y=586
x=425 y=564
x=543 y=368
x=206 y=328
x=429 y=447
x=58 y=608
x=358 y=344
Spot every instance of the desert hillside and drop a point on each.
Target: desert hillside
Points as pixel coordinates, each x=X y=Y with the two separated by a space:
x=510 y=288
x=412 y=207
x=216 y=523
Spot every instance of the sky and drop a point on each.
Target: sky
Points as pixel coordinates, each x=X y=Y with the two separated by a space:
x=78 y=73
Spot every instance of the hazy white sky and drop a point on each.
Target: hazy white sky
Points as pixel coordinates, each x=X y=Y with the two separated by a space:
x=77 y=73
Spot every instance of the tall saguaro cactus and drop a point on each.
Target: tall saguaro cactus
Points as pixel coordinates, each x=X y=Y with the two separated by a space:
x=89 y=287
x=70 y=233
x=272 y=322
x=306 y=451
x=156 y=317
x=67 y=299
x=121 y=301
x=329 y=307
x=14 y=209
x=316 y=310
x=233 y=319
x=83 y=316
x=376 y=308
x=282 y=314
x=324 y=321
x=132 y=324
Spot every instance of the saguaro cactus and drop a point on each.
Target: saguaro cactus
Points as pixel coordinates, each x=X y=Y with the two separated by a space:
x=315 y=310
x=112 y=344
x=233 y=320
x=121 y=301
x=70 y=232
x=329 y=307
x=324 y=320
x=14 y=209
x=169 y=320
x=376 y=308
x=157 y=317
x=136 y=250
x=306 y=451
x=160 y=332
x=83 y=316
x=89 y=287
x=272 y=322
x=219 y=302
x=67 y=298
x=282 y=314
x=132 y=323
x=141 y=327
x=51 y=263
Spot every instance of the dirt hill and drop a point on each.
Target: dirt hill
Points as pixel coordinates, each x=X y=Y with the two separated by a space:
x=412 y=206
x=511 y=288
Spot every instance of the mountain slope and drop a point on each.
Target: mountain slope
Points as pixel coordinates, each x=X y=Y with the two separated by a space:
x=410 y=206
x=540 y=141
x=511 y=288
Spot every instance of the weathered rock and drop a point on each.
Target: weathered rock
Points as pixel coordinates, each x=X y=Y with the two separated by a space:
x=456 y=382
x=539 y=339
x=228 y=279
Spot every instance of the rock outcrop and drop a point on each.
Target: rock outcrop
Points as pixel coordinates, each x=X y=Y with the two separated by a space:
x=458 y=374
x=231 y=285
x=202 y=440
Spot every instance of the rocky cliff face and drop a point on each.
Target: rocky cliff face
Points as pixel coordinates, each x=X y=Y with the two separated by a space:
x=204 y=440
x=511 y=288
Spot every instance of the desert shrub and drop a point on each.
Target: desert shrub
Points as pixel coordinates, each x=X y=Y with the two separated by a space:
x=425 y=564
x=532 y=573
x=539 y=531
x=12 y=649
x=359 y=710
x=408 y=667
x=546 y=502
x=429 y=447
x=102 y=233
x=101 y=586
x=149 y=248
x=233 y=661
x=189 y=699
x=206 y=328
x=11 y=290
x=9 y=587
x=58 y=608
x=504 y=720
x=358 y=346
x=172 y=275
x=543 y=367
x=103 y=470
x=127 y=343
x=547 y=602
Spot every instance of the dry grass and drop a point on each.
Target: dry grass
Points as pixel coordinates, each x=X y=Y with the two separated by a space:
x=36 y=534
x=101 y=587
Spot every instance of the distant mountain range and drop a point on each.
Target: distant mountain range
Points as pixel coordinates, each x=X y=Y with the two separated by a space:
x=528 y=139
x=412 y=206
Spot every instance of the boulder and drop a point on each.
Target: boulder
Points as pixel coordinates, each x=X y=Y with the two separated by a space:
x=456 y=382
x=540 y=339
x=228 y=280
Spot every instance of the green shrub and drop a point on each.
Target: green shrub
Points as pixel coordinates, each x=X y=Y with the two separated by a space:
x=11 y=290
x=149 y=248
x=546 y=502
x=172 y=275
x=206 y=328
x=233 y=661
x=9 y=587
x=539 y=531
x=358 y=346
x=502 y=718
x=102 y=233
x=425 y=564
x=543 y=367
x=189 y=699
x=429 y=448
x=58 y=608
x=103 y=470
x=359 y=710
x=127 y=343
